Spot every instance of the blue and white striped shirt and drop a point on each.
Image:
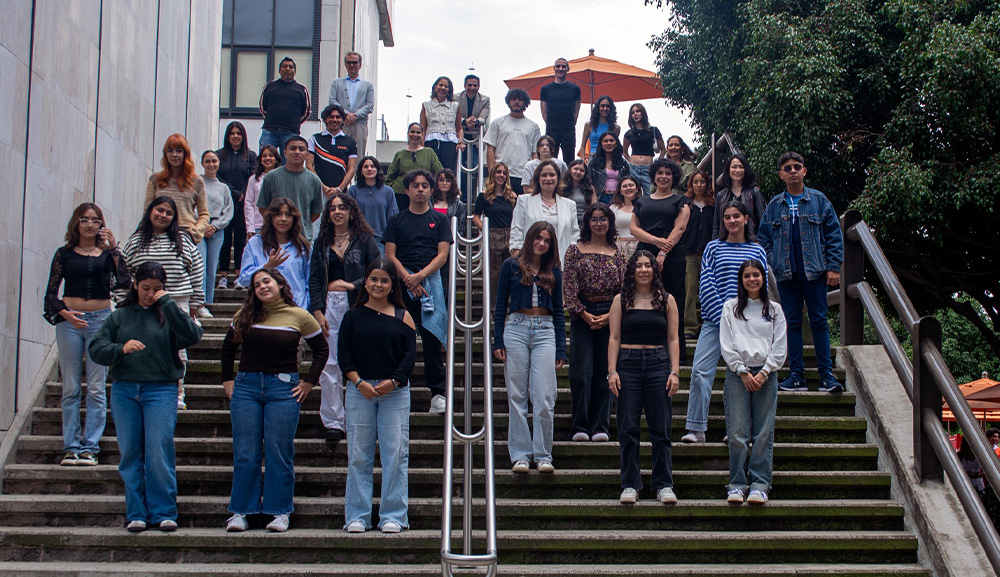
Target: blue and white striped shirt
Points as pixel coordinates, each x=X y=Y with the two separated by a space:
x=720 y=266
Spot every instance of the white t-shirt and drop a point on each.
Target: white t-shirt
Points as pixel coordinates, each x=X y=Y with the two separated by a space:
x=531 y=165
x=514 y=140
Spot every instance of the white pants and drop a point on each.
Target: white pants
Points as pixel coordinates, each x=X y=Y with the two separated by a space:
x=331 y=382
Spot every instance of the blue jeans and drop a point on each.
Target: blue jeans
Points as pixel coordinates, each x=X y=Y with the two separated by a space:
x=641 y=173
x=643 y=375
x=73 y=343
x=275 y=138
x=706 y=360
x=385 y=419
x=265 y=415
x=145 y=416
x=530 y=374
x=813 y=292
x=588 y=369
x=750 y=426
x=210 y=248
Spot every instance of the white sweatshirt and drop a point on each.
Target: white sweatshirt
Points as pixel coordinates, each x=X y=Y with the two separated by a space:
x=756 y=341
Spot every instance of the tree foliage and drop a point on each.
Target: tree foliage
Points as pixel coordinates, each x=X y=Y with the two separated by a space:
x=895 y=105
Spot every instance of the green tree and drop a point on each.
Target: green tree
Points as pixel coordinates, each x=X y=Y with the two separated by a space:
x=893 y=103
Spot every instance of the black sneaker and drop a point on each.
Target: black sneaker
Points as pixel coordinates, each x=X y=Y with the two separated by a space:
x=831 y=385
x=793 y=383
x=334 y=436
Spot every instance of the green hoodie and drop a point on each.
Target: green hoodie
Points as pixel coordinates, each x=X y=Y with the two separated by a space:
x=159 y=361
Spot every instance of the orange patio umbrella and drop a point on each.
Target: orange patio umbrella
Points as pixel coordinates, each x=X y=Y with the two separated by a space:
x=596 y=77
x=982 y=396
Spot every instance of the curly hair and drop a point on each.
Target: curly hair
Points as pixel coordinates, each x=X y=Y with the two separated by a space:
x=269 y=236
x=490 y=191
x=252 y=312
x=356 y=223
x=586 y=185
x=595 y=114
x=548 y=261
x=660 y=163
x=709 y=193
x=628 y=284
x=186 y=177
x=585 y=232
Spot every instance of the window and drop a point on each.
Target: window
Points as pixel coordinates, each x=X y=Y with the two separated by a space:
x=256 y=36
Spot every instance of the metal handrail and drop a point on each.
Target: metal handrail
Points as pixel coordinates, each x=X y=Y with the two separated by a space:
x=471 y=262
x=926 y=378
x=473 y=174
x=709 y=159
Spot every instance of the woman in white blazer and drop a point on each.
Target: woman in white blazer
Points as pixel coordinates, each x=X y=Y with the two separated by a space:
x=543 y=203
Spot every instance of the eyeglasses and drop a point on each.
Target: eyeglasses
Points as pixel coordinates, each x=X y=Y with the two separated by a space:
x=789 y=168
x=93 y=221
x=598 y=220
x=353 y=63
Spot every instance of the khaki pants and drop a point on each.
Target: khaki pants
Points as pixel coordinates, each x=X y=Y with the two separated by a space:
x=692 y=307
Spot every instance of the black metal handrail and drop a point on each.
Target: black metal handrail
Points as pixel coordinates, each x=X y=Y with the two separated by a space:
x=925 y=378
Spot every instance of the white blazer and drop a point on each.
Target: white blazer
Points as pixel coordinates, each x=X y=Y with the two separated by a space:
x=528 y=211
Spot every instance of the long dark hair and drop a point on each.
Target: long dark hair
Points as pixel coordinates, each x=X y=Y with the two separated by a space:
x=546 y=264
x=227 y=148
x=748 y=235
x=453 y=192
x=659 y=301
x=749 y=180
x=359 y=178
x=619 y=197
x=356 y=223
x=259 y=170
x=269 y=236
x=145 y=271
x=595 y=114
x=145 y=228
x=600 y=157
x=644 y=119
x=686 y=153
x=395 y=295
x=252 y=312
x=586 y=185
x=741 y=292
x=585 y=231
x=73 y=228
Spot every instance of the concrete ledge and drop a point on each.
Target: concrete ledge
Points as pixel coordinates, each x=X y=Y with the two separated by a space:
x=948 y=544
x=22 y=421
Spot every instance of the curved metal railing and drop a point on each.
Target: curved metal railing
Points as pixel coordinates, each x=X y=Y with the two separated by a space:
x=469 y=257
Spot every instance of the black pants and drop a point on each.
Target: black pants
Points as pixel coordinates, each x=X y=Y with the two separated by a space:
x=673 y=275
x=515 y=183
x=643 y=374
x=588 y=370
x=235 y=239
x=433 y=363
x=445 y=152
x=566 y=140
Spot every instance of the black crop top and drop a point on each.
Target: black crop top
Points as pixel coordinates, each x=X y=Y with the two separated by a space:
x=87 y=277
x=644 y=327
x=334 y=267
x=642 y=140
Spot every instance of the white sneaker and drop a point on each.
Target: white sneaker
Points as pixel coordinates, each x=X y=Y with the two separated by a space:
x=521 y=466
x=223 y=283
x=204 y=313
x=136 y=526
x=628 y=496
x=666 y=495
x=237 y=285
x=279 y=524
x=757 y=497
x=694 y=437
x=181 y=405
x=356 y=526
x=581 y=437
x=437 y=404
x=546 y=467
x=600 y=438
x=237 y=524
x=391 y=527
x=735 y=496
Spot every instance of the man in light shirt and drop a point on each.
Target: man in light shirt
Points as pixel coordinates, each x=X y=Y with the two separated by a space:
x=357 y=97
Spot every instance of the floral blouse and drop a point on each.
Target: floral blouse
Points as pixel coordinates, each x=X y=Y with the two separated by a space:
x=590 y=273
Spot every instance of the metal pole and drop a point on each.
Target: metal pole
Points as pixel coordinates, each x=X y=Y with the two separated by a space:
x=926 y=397
x=852 y=313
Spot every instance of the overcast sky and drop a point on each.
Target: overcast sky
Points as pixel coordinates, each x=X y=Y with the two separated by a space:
x=504 y=39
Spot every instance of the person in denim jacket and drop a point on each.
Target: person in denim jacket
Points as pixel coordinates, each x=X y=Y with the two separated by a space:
x=801 y=234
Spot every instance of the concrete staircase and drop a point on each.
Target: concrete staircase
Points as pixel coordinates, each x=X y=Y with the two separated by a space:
x=831 y=512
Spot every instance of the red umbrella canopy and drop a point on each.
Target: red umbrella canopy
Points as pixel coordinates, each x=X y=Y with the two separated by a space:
x=596 y=77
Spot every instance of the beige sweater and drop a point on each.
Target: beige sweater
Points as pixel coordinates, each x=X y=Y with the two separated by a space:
x=192 y=204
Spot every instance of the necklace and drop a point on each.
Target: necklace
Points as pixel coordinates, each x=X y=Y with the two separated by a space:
x=549 y=203
x=644 y=297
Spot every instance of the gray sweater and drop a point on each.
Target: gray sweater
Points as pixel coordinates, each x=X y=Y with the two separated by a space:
x=220 y=202
x=755 y=342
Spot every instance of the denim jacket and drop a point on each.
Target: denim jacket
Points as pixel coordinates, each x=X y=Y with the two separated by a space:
x=819 y=228
x=510 y=288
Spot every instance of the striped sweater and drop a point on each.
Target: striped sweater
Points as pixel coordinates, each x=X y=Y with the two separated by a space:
x=184 y=272
x=720 y=266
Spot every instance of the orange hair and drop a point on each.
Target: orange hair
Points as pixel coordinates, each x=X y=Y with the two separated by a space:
x=185 y=179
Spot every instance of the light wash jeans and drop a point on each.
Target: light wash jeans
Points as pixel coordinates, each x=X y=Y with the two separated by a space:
x=706 y=361
x=331 y=381
x=265 y=415
x=750 y=426
x=145 y=417
x=209 y=249
x=641 y=173
x=385 y=419
x=73 y=343
x=530 y=374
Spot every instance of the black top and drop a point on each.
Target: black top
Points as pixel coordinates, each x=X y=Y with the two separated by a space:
x=560 y=104
x=284 y=105
x=88 y=277
x=334 y=267
x=699 y=228
x=657 y=216
x=642 y=140
x=500 y=211
x=376 y=346
x=359 y=254
x=416 y=237
x=235 y=171
x=644 y=327
x=752 y=199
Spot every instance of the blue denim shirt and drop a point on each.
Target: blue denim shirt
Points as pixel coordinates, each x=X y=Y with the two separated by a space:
x=510 y=288
x=819 y=226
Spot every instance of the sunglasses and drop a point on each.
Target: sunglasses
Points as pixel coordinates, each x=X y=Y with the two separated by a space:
x=789 y=168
